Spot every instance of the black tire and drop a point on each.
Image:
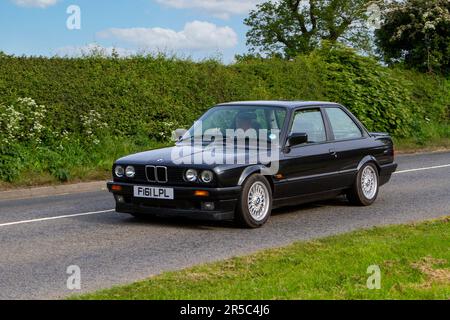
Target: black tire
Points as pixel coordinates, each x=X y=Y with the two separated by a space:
x=356 y=195
x=243 y=216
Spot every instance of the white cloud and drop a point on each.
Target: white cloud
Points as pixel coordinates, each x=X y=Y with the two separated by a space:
x=196 y=35
x=93 y=49
x=35 y=3
x=222 y=9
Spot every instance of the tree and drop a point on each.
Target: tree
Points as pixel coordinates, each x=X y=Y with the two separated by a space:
x=417 y=34
x=290 y=27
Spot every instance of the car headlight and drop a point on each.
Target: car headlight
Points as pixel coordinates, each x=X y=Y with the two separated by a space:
x=130 y=172
x=207 y=176
x=119 y=171
x=191 y=175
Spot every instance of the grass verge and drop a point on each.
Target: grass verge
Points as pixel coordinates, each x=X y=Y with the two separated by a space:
x=414 y=261
x=74 y=163
x=412 y=146
x=433 y=137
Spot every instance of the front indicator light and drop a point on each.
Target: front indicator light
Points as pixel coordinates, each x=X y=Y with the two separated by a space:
x=116 y=188
x=201 y=193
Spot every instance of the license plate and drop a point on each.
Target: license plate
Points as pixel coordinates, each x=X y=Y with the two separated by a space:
x=153 y=193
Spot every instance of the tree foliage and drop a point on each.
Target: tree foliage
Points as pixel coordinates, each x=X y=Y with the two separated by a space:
x=417 y=34
x=291 y=27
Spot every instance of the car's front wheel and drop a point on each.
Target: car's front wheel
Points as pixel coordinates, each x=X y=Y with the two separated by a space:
x=365 y=189
x=255 y=203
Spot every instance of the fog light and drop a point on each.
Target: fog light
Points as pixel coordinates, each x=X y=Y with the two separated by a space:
x=208 y=206
x=120 y=199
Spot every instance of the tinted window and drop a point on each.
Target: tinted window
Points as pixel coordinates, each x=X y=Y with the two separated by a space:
x=342 y=125
x=311 y=123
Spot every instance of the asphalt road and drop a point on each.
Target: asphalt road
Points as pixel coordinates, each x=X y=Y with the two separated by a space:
x=38 y=243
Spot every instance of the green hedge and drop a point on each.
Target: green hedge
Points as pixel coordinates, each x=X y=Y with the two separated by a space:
x=143 y=94
x=138 y=97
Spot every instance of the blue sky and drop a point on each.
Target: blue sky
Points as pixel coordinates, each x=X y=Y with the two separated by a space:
x=197 y=28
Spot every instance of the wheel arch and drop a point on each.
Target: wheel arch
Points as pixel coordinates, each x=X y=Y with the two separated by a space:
x=256 y=169
x=368 y=159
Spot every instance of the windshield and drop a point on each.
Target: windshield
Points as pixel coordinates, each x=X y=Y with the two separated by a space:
x=226 y=120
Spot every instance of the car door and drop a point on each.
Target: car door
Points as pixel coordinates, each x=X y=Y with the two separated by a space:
x=350 y=143
x=308 y=168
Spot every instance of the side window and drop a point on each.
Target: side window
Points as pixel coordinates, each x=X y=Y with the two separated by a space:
x=342 y=125
x=311 y=123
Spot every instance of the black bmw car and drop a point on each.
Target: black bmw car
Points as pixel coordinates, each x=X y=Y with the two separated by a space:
x=242 y=159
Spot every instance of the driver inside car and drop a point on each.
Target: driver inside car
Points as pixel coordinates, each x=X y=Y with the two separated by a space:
x=246 y=121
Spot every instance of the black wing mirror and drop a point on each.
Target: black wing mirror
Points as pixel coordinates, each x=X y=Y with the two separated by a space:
x=297 y=138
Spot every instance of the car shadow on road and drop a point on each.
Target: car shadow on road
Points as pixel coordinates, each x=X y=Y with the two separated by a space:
x=337 y=202
x=180 y=222
x=184 y=223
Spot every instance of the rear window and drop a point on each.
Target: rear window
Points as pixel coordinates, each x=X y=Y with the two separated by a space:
x=342 y=125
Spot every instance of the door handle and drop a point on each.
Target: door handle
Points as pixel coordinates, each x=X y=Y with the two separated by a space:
x=333 y=153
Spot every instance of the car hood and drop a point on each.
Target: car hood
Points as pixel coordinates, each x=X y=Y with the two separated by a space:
x=179 y=155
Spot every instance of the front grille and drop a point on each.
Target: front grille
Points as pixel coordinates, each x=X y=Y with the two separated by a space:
x=161 y=174
x=156 y=174
x=150 y=173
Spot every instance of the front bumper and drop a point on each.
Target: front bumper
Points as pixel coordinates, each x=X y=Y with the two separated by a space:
x=185 y=203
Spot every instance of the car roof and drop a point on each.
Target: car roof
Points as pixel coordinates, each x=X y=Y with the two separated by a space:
x=277 y=103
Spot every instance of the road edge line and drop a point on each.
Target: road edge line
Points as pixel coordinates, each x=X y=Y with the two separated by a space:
x=47 y=191
x=8 y=224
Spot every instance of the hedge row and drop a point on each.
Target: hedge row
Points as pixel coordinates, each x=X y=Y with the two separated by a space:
x=51 y=105
x=154 y=94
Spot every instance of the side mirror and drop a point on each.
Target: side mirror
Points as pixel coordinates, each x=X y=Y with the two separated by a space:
x=297 y=138
x=178 y=134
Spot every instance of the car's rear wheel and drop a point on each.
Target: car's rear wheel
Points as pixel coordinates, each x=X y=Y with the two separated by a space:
x=365 y=189
x=255 y=203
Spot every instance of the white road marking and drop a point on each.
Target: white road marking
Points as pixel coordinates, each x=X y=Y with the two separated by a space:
x=54 y=218
x=423 y=169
